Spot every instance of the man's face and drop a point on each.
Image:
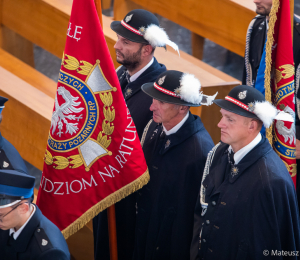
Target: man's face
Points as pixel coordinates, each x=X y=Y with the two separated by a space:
x=163 y=112
x=234 y=128
x=263 y=7
x=128 y=52
x=10 y=220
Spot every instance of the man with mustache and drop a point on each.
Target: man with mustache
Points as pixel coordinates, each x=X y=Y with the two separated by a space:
x=247 y=204
x=138 y=36
x=176 y=145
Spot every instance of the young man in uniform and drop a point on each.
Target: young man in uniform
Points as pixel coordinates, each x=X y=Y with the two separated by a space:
x=24 y=232
x=247 y=206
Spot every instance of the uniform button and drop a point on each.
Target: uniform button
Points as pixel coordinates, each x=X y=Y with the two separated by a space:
x=297 y=24
x=157 y=248
x=38 y=230
x=204 y=240
x=207 y=222
x=213 y=203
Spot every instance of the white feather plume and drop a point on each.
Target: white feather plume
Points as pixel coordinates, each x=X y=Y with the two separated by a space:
x=190 y=89
x=157 y=37
x=266 y=112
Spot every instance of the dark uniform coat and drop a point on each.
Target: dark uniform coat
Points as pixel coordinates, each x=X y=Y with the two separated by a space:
x=166 y=204
x=10 y=158
x=257 y=39
x=138 y=103
x=39 y=240
x=296 y=48
x=247 y=213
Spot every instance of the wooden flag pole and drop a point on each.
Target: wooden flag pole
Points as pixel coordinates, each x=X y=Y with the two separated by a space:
x=111 y=214
x=292 y=15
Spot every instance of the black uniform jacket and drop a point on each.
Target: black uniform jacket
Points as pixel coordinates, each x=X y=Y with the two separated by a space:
x=136 y=100
x=10 y=158
x=257 y=41
x=39 y=240
x=254 y=211
x=166 y=204
x=296 y=46
x=138 y=103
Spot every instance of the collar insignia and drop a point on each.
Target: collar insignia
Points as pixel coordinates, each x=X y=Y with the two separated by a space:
x=161 y=80
x=44 y=242
x=128 y=92
x=234 y=171
x=167 y=143
x=242 y=95
x=128 y=18
x=5 y=164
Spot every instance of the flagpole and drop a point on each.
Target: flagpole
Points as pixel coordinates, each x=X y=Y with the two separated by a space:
x=111 y=213
x=292 y=15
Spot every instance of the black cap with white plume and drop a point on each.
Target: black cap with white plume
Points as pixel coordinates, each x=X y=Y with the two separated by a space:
x=179 y=88
x=249 y=102
x=143 y=27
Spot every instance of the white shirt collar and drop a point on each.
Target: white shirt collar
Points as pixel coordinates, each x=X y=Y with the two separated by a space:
x=240 y=154
x=17 y=233
x=139 y=73
x=176 y=127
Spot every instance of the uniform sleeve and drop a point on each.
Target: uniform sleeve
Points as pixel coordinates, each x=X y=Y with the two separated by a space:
x=182 y=232
x=275 y=219
x=54 y=254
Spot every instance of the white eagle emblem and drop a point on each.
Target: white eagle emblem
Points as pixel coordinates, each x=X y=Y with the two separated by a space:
x=287 y=133
x=61 y=113
x=161 y=80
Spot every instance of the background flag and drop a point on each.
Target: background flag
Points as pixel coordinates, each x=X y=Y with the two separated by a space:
x=93 y=157
x=277 y=70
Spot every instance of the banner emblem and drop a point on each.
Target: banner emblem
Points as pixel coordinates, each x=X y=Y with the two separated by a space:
x=76 y=116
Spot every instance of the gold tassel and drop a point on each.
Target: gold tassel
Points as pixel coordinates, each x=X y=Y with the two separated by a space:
x=270 y=41
x=105 y=203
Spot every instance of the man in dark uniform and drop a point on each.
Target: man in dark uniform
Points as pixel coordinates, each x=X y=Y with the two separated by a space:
x=24 y=232
x=138 y=36
x=256 y=37
x=9 y=157
x=247 y=206
x=175 y=145
x=296 y=49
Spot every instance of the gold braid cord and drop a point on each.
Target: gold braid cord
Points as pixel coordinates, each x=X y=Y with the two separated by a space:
x=270 y=41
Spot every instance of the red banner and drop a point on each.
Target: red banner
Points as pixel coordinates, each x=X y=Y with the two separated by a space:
x=93 y=157
x=282 y=84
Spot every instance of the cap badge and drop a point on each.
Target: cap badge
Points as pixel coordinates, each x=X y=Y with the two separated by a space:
x=161 y=80
x=128 y=18
x=242 y=95
x=234 y=171
x=142 y=30
x=5 y=164
x=251 y=106
x=177 y=91
x=44 y=242
x=167 y=143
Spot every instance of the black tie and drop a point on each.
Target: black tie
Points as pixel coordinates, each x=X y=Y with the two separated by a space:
x=11 y=239
x=231 y=157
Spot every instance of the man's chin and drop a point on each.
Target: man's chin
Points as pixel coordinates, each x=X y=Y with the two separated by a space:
x=156 y=120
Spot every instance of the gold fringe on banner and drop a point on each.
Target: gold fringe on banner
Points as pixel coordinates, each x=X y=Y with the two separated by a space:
x=105 y=203
x=269 y=44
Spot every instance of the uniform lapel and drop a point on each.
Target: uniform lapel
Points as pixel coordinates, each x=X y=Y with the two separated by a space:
x=27 y=233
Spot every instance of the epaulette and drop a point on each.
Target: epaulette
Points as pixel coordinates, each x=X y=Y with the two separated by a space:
x=42 y=239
